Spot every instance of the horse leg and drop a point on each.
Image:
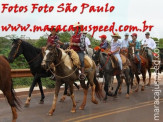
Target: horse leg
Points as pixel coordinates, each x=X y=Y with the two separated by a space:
x=108 y=80
x=120 y=88
x=144 y=79
x=149 y=72
x=64 y=94
x=131 y=81
x=57 y=88
x=138 y=80
x=119 y=83
x=85 y=90
x=27 y=102
x=41 y=90
x=73 y=110
x=10 y=100
x=127 y=77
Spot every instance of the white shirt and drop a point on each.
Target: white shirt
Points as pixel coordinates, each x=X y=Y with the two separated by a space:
x=150 y=43
x=87 y=42
x=125 y=43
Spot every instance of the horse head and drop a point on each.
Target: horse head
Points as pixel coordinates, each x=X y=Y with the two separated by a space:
x=51 y=55
x=131 y=50
x=96 y=55
x=16 y=50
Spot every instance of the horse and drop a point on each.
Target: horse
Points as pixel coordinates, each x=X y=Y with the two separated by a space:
x=106 y=65
x=134 y=70
x=66 y=71
x=6 y=85
x=145 y=53
x=34 y=57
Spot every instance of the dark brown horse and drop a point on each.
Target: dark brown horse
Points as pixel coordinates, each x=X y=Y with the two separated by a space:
x=134 y=68
x=66 y=72
x=7 y=87
x=144 y=52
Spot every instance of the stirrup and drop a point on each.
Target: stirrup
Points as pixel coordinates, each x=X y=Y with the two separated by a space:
x=83 y=75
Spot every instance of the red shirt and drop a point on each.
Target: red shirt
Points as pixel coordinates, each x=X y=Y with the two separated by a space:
x=76 y=39
x=53 y=40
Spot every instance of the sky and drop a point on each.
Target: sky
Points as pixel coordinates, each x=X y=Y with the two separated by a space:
x=126 y=12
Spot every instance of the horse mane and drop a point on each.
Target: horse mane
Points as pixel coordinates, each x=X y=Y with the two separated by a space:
x=27 y=44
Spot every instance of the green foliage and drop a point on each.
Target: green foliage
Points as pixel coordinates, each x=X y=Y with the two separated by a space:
x=64 y=36
x=41 y=42
x=161 y=42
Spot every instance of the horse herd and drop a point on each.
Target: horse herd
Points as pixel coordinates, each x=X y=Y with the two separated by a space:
x=67 y=73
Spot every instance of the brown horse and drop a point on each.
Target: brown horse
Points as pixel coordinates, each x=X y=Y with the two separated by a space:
x=7 y=87
x=66 y=72
x=134 y=62
x=144 y=52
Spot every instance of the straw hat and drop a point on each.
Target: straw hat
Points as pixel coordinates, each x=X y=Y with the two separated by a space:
x=116 y=35
x=77 y=25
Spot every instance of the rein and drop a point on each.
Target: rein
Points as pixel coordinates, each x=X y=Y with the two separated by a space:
x=62 y=77
x=17 y=49
x=105 y=63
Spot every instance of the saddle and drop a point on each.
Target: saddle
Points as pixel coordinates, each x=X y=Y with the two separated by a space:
x=88 y=62
x=143 y=60
x=115 y=63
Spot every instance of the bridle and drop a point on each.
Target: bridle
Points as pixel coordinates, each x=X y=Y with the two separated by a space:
x=17 y=49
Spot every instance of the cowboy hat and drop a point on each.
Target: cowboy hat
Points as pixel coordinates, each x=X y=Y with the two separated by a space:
x=116 y=35
x=77 y=25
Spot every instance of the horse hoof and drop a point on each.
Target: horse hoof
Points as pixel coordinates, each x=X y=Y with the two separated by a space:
x=62 y=99
x=41 y=102
x=95 y=101
x=131 y=92
x=127 y=96
x=148 y=84
x=50 y=114
x=136 y=90
x=73 y=110
x=119 y=92
x=142 y=89
x=26 y=105
x=81 y=108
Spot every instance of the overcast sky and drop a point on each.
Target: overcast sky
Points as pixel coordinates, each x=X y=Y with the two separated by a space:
x=127 y=12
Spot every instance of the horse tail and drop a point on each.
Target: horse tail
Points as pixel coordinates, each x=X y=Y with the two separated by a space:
x=98 y=89
x=15 y=98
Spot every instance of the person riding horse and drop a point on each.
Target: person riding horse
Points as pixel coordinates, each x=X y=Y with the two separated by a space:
x=115 y=49
x=104 y=43
x=125 y=44
x=150 y=45
x=53 y=38
x=77 y=43
x=136 y=43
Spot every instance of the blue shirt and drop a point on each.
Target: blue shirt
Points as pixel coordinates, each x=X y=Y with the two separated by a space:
x=137 y=46
x=104 y=44
x=115 y=46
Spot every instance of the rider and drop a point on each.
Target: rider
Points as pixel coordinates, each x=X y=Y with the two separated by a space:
x=104 y=43
x=115 y=49
x=135 y=42
x=87 y=41
x=150 y=43
x=53 y=38
x=125 y=42
x=77 y=43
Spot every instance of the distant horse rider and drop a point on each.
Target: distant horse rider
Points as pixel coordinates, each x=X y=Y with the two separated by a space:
x=53 y=38
x=150 y=44
x=137 y=45
x=104 y=43
x=125 y=44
